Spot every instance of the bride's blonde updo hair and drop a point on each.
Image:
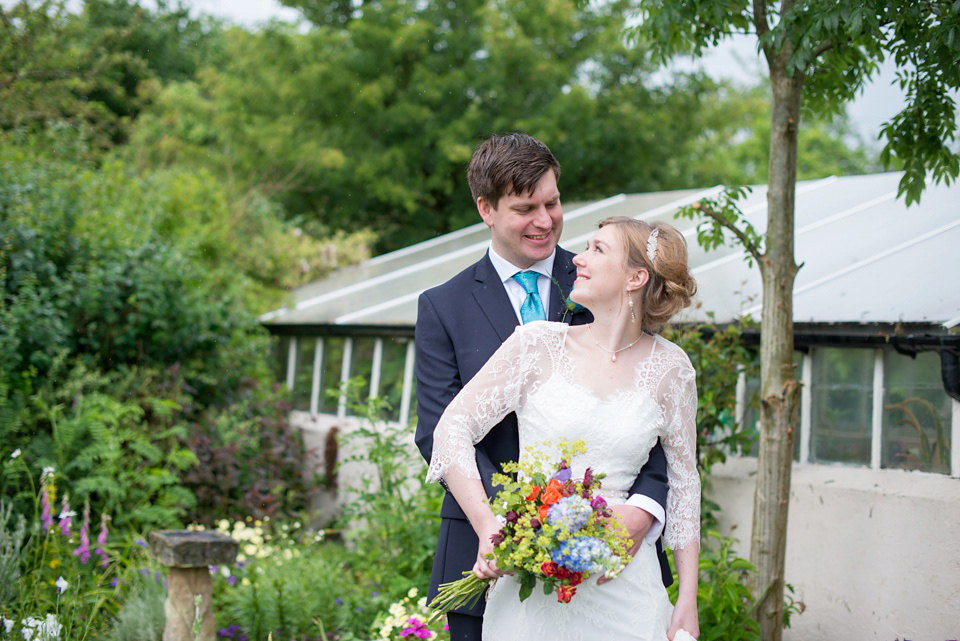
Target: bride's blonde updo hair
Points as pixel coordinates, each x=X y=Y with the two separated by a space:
x=671 y=286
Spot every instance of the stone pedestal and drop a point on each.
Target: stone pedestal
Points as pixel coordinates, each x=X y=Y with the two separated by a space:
x=189 y=586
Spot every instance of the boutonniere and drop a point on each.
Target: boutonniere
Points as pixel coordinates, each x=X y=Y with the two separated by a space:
x=569 y=306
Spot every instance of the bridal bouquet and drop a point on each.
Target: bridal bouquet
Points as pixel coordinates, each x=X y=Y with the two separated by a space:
x=555 y=531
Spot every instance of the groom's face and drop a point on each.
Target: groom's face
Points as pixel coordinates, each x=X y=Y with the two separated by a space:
x=525 y=228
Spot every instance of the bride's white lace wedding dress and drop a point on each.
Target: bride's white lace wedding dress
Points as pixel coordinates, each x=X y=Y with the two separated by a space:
x=620 y=419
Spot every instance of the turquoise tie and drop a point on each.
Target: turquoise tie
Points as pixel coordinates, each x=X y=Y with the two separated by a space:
x=532 y=308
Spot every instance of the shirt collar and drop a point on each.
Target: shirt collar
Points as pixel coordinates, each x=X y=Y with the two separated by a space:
x=505 y=269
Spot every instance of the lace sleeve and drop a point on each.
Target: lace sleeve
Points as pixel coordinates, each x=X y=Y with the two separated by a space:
x=489 y=396
x=678 y=391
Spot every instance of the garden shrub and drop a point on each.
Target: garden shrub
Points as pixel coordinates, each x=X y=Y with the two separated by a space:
x=392 y=519
x=251 y=461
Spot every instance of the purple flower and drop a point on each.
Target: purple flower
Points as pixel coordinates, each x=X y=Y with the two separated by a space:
x=66 y=516
x=598 y=503
x=114 y=582
x=339 y=601
x=587 y=478
x=102 y=540
x=141 y=544
x=232 y=580
x=144 y=572
x=213 y=569
x=83 y=550
x=416 y=628
x=563 y=475
x=45 y=498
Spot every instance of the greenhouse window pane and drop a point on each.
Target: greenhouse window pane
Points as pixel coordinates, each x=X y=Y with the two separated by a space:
x=361 y=367
x=330 y=374
x=916 y=414
x=841 y=405
x=751 y=412
x=303 y=373
x=391 y=375
x=281 y=352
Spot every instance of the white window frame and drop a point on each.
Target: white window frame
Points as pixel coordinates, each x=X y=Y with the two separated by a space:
x=876 y=430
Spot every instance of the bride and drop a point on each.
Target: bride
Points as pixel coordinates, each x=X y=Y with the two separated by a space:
x=618 y=386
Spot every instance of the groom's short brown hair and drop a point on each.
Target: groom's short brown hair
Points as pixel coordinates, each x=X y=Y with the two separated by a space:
x=505 y=164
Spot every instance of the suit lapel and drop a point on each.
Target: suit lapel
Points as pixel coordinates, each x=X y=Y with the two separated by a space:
x=564 y=273
x=493 y=300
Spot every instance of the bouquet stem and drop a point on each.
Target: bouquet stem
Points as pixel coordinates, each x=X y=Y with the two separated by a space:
x=456 y=594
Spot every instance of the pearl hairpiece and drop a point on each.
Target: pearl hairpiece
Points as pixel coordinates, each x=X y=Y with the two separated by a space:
x=652 y=244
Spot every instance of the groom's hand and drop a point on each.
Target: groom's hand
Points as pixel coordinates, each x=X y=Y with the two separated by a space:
x=637 y=521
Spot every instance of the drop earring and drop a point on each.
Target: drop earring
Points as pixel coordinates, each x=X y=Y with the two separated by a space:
x=633 y=316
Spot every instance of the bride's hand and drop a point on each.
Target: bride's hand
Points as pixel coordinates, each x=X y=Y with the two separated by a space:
x=685 y=618
x=486 y=568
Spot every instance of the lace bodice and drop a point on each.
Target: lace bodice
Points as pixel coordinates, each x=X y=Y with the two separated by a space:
x=534 y=375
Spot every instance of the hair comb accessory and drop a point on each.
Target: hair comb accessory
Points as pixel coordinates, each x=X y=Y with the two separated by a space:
x=652 y=244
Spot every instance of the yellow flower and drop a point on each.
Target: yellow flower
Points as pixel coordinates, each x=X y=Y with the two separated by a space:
x=54 y=564
x=244 y=581
x=412 y=593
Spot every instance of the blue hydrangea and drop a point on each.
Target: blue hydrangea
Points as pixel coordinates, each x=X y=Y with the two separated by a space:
x=582 y=555
x=570 y=513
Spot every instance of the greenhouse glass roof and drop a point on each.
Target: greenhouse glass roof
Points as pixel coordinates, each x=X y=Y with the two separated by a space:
x=866 y=256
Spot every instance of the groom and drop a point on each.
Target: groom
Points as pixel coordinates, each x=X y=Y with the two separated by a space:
x=460 y=324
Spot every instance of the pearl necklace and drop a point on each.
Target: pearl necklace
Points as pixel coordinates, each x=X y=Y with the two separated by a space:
x=613 y=352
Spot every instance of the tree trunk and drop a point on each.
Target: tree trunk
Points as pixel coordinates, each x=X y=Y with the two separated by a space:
x=780 y=392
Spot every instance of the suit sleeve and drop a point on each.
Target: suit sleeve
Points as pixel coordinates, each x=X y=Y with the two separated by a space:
x=438 y=377
x=438 y=382
x=652 y=481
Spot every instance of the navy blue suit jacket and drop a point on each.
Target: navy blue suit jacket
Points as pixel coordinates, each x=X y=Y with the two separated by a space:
x=460 y=324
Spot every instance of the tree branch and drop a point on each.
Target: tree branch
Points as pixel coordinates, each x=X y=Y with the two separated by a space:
x=760 y=17
x=748 y=244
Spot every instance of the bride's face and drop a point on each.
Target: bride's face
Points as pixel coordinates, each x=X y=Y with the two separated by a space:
x=602 y=273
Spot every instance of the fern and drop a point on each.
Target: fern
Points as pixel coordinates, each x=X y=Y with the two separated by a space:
x=12 y=538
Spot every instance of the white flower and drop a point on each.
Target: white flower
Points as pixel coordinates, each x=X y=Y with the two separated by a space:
x=412 y=593
x=7 y=623
x=15 y=454
x=62 y=584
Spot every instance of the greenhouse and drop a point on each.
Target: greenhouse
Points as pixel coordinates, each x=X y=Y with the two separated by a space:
x=876 y=313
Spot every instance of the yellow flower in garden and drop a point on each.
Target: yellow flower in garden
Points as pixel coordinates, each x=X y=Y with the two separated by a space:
x=244 y=581
x=54 y=564
x=412 y=594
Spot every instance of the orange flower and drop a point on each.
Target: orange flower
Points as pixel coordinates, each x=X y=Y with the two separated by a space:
x=554 y=492
x=535 y=493
x=542 y=513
